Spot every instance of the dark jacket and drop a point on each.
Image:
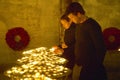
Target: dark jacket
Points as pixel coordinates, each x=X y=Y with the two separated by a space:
x=89 y=46
x=69 y=39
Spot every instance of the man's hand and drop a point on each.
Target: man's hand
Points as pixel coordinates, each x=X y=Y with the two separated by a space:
x=57 y=50
x=64 y=45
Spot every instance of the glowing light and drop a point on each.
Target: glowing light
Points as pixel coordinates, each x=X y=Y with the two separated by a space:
x=38 y=64
x=119 y=49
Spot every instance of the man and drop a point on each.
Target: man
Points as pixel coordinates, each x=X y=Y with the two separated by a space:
x=89 y=44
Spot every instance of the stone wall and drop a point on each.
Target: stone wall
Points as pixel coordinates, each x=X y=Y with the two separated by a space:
x=40 y=18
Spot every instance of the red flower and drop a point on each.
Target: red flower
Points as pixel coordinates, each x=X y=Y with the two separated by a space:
x=112 y=38
x=17 y=38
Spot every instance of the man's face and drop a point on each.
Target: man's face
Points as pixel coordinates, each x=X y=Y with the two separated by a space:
x=74 y=18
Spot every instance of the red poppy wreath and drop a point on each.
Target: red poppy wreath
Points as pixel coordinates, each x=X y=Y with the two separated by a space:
x=17 y=38
x=112 y=38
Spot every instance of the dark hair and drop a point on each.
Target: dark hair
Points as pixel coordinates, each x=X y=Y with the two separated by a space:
x=65 y=17
x=74 y=8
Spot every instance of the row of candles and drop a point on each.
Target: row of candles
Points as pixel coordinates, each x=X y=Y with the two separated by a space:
x=39 y=64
